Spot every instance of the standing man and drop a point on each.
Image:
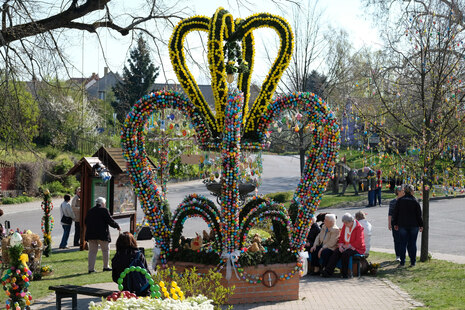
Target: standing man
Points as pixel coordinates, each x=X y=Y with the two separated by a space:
x=408 y=221
x=371 y=177
x=67 y=217
x=97 y=233
x=76 y=206
x=395 y=233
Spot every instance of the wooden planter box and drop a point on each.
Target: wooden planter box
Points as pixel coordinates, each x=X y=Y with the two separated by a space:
x=246 y=292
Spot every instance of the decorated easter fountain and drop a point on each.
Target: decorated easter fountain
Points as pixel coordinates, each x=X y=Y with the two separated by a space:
x=238 y=125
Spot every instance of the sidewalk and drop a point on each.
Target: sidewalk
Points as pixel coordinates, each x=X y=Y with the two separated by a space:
x=315 y=293
x=365 y=293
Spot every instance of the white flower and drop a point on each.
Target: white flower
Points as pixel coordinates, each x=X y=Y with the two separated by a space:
x=145 y=303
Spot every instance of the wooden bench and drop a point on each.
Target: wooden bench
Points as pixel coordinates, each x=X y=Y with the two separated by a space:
x=354 y=261
x=65 y=291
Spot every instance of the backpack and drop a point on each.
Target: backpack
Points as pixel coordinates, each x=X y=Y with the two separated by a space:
x=136 y=281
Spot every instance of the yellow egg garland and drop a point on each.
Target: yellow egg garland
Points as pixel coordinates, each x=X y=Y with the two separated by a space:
x=221 y=27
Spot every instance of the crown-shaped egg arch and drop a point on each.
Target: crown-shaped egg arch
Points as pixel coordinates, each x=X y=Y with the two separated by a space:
x=227 y=131
x=223 y=28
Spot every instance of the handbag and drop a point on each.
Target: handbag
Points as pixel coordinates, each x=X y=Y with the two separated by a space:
x=66 y=220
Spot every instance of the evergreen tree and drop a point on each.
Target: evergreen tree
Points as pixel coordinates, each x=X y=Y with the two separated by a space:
x=137 y=79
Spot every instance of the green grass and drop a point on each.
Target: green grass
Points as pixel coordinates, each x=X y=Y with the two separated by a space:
x=330 y=200
x=437 y=284
x=261 y=232
x=70 y=268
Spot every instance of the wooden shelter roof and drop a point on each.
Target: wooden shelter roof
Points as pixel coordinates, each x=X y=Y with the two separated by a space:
x=110 y=157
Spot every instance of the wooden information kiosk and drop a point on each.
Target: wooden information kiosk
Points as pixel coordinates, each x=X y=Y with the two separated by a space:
x=104 y=175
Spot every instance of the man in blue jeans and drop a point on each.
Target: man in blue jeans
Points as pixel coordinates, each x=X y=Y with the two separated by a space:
x=408 y=221
x=67 y=218
x=395 y=233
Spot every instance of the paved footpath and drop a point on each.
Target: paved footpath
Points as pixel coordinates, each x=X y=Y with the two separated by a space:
x=315 y=293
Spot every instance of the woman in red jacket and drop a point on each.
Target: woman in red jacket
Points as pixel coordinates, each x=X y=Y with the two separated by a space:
x=351 y=241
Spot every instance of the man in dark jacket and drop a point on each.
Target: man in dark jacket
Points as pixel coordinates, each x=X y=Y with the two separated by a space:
x=407 y=219
x=97 y=233
x=395 y=233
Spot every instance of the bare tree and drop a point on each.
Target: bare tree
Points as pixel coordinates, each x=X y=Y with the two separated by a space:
x=33 y=36
x=417 y=85
x=320 y=64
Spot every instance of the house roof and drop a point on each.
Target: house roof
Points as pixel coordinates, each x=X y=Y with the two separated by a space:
x=112 y=157
x=103 y=84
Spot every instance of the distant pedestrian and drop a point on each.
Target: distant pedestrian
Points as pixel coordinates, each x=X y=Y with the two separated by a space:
x=67 y=217
x=395 y=233
x=360 y=216
x=76 y=206
x=407 y=219
x=97 y=233
x=378 y=188
x=371 y=177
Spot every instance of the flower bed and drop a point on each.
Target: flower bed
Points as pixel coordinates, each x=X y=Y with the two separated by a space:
x=195 y=303
x=247 y=290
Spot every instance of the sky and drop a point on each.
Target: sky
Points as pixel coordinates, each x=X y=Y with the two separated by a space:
x=88 y=57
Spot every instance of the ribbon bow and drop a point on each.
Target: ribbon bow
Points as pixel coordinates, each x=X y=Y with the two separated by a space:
x=156 y=255
x=230 y=263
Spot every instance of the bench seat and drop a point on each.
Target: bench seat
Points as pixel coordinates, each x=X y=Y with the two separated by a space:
x=65 y=291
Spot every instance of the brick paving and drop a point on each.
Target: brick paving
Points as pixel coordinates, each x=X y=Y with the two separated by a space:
x=315 y=293
x=335 y=293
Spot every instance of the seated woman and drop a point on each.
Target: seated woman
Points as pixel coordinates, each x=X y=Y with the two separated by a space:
x=126 y=254
x=351 y=241
x=325 y=243
x=314 y=231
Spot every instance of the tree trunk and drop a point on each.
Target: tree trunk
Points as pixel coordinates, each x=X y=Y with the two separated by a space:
x=425 y=234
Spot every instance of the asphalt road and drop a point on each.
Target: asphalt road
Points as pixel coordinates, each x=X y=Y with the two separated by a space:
x=280 y=174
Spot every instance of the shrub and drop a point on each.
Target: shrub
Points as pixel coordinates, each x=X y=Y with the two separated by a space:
x=193 y=284
x=55 y=188
x=71 y=183
x=16 y=200
x=51 y=153
x=63 y=166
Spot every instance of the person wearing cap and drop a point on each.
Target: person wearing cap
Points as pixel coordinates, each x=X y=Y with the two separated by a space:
x=351 y=241
x=97 y=223
x=325 y=243
x=360 y=216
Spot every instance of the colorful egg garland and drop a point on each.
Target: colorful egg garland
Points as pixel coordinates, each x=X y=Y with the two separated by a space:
x=154 y=288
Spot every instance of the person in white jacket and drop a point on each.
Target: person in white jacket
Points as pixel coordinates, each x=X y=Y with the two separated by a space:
x=67 y=217
x=360 y=216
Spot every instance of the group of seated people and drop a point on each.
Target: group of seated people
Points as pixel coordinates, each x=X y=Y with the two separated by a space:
x=327 y=244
